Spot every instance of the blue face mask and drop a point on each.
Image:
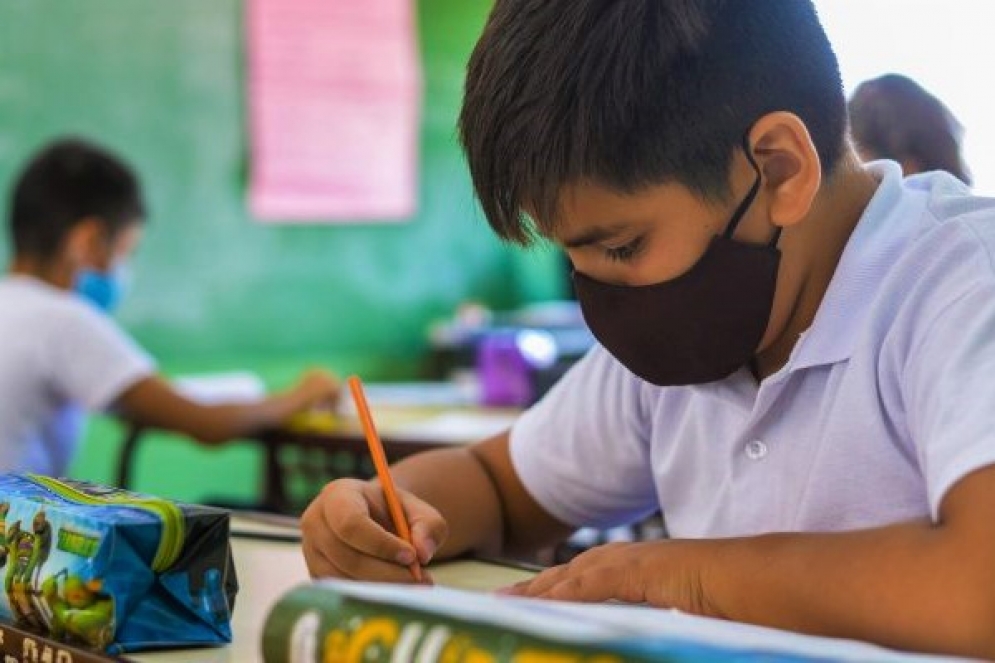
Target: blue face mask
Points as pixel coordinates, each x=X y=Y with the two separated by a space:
x=103 y=289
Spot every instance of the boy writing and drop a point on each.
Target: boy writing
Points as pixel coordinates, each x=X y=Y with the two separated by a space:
x=796 y=352
x=76 y=214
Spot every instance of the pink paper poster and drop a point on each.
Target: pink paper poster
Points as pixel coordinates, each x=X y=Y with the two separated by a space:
x=334 y=96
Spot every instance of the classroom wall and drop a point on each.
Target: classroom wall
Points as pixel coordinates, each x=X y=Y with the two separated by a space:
x=163 y=84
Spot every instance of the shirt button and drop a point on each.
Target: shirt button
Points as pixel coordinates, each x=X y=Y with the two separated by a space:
x=756 y=450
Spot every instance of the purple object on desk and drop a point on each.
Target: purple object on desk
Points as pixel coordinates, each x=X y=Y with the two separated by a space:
x=506 y=359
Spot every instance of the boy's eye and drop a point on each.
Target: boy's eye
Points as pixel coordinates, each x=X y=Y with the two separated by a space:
x=625 y=252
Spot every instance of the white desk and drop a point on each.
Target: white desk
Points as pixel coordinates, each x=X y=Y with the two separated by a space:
x=267 y=569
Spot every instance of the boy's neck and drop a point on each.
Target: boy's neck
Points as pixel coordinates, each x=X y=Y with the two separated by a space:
x=56 y=273
x=820 y=243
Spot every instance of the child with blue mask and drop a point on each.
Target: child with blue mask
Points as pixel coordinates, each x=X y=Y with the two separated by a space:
x=76 y=217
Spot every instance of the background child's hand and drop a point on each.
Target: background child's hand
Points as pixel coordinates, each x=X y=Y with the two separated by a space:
x=317 y=388
x=348 y=533
x=660 y=573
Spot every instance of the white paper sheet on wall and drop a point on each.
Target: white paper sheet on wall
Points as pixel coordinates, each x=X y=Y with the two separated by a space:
x=334 y=96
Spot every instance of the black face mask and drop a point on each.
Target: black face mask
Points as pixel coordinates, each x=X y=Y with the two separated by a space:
x=699 y=327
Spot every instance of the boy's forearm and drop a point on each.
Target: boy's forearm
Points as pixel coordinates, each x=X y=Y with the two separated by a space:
x=916 y=585
x=215 y=424
x=455 y=483
x=154 y=402
x=270 y=412
x=908 y=586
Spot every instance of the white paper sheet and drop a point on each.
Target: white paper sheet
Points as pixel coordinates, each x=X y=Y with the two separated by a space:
x=212 y=388
x=455 y=427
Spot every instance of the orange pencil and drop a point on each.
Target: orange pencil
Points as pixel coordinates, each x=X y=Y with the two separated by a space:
x=383 y=471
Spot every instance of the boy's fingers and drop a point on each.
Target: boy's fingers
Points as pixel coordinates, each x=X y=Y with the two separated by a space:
x=352 y=524
x=427 y=539
x=318 y=539
x=340 y=516
x=340 y=561
x=358 y=566
x=318 y=564
x=343 y=538
x=319 y=387
x=428 y=528
x=540 y=584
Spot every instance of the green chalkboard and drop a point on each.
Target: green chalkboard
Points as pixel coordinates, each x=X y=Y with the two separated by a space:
x=163 y=83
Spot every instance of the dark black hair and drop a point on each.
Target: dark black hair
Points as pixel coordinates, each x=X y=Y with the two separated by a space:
x=632 y=93
x=893 y=117
x=67 y=181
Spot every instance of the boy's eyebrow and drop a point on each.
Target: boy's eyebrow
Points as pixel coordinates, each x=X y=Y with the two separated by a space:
x=594 y=235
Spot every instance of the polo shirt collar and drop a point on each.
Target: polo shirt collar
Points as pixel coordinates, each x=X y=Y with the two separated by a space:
x=874 y=244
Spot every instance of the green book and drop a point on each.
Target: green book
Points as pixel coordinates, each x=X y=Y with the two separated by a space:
x=334 y=621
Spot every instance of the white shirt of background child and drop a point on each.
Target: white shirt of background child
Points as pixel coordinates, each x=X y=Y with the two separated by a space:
x=58 y=356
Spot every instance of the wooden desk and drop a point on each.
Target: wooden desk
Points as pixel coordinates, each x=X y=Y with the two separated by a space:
x=267 y=569
x=301 y=458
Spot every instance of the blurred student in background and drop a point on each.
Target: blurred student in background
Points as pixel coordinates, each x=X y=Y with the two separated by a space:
x=893 y=117
x=76 y=215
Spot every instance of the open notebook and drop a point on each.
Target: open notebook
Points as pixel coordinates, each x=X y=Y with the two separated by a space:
x=339 y=620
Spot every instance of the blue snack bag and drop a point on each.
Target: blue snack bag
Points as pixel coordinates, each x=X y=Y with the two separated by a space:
x=113 y=570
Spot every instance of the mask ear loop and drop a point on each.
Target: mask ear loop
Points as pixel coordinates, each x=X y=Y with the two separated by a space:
x=740 y=212
x=737 y=216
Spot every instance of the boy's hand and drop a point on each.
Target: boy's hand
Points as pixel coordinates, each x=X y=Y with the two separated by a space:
x=317 y=388
x=348 y=533
x=655 y=572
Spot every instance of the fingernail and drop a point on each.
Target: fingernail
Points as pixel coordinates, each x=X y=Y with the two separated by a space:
x=405 y=557
x=430 y=548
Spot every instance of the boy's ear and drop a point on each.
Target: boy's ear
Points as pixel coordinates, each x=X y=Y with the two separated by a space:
x=792 y=172
x=84 y=244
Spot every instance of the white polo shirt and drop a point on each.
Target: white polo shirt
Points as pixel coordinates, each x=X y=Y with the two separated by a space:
x=886 y=401
x=58 y=356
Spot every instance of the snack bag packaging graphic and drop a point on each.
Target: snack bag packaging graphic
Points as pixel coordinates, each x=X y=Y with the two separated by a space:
x=112 y=570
